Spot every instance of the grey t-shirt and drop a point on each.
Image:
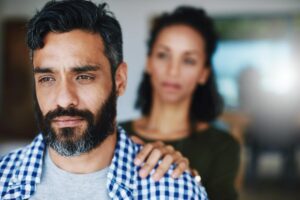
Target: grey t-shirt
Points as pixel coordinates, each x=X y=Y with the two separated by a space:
x=57 y=184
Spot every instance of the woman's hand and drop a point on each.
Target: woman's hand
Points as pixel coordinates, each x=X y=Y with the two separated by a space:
x=152 y=153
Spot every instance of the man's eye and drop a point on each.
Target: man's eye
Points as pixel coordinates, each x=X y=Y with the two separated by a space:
x=46 y=79
x=85 y=78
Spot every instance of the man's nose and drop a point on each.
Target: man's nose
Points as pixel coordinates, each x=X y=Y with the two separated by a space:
x=67 y=95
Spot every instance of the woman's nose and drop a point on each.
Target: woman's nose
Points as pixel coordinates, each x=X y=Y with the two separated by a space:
x=173 y=69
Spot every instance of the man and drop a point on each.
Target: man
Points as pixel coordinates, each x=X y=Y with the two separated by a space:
x=76 y=50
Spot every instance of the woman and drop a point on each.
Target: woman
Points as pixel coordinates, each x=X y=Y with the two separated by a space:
x=179 y=99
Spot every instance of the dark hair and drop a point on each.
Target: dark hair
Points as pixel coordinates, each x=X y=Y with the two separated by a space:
x=67 y=15
x=207 y=103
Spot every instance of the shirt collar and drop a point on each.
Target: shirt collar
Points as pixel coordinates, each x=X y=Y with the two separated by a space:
x=121 y=175
x=29 y=170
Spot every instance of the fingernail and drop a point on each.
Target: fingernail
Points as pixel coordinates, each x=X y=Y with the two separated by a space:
x=137 y=161
x=142 y=173
x=156 y=177
x=175 y=175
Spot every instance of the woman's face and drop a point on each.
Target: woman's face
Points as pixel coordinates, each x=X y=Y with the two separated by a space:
x=177 y=63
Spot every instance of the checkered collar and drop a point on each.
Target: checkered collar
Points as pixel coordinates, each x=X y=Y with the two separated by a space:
x=121 y=175
x=28 y=169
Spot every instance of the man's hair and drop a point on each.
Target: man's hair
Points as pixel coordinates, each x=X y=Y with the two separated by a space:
x=207 y=103
x=67 y=15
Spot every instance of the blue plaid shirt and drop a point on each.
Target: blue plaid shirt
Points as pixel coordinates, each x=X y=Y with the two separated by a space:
x=21 y=170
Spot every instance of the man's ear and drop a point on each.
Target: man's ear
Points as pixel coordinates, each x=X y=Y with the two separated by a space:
x=121 y=78
x=204 y=74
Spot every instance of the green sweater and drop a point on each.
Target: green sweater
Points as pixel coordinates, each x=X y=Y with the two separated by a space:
x=214 y=153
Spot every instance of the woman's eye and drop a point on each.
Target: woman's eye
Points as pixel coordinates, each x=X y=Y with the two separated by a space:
x=162 y=55
x=189 y=61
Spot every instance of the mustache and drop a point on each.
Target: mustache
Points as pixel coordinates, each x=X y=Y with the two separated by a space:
x=71 y=111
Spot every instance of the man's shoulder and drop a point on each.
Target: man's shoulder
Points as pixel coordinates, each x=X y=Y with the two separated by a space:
x=13 y=159
x=21 y=165
x=185 y=187
x=20 y=154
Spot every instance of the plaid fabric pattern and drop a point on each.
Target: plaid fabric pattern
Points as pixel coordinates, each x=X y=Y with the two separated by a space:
x=21 y=170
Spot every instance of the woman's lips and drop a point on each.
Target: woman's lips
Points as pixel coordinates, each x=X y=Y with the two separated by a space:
x=171 y=86
x=67 y=121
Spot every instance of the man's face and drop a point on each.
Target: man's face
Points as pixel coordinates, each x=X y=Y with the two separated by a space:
x=75 y=92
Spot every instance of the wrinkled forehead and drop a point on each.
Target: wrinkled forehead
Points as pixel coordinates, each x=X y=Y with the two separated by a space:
x=70 y=49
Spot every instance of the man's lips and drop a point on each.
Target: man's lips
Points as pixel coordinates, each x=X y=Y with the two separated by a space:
x=67 y=121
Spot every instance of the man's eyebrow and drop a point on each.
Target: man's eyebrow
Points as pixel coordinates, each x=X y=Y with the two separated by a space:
x=86 y=68
x=39 y=70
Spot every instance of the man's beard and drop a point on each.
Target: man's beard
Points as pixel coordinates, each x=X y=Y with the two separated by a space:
x=69 y=141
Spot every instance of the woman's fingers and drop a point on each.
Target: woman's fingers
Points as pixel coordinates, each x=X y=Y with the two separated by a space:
x=137 y=140
x=152 y=153
x=150 y=163
x=163 y=167
x=182 y=165
x=146 y=152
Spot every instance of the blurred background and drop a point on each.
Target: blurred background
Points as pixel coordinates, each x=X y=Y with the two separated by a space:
x=258 y=73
